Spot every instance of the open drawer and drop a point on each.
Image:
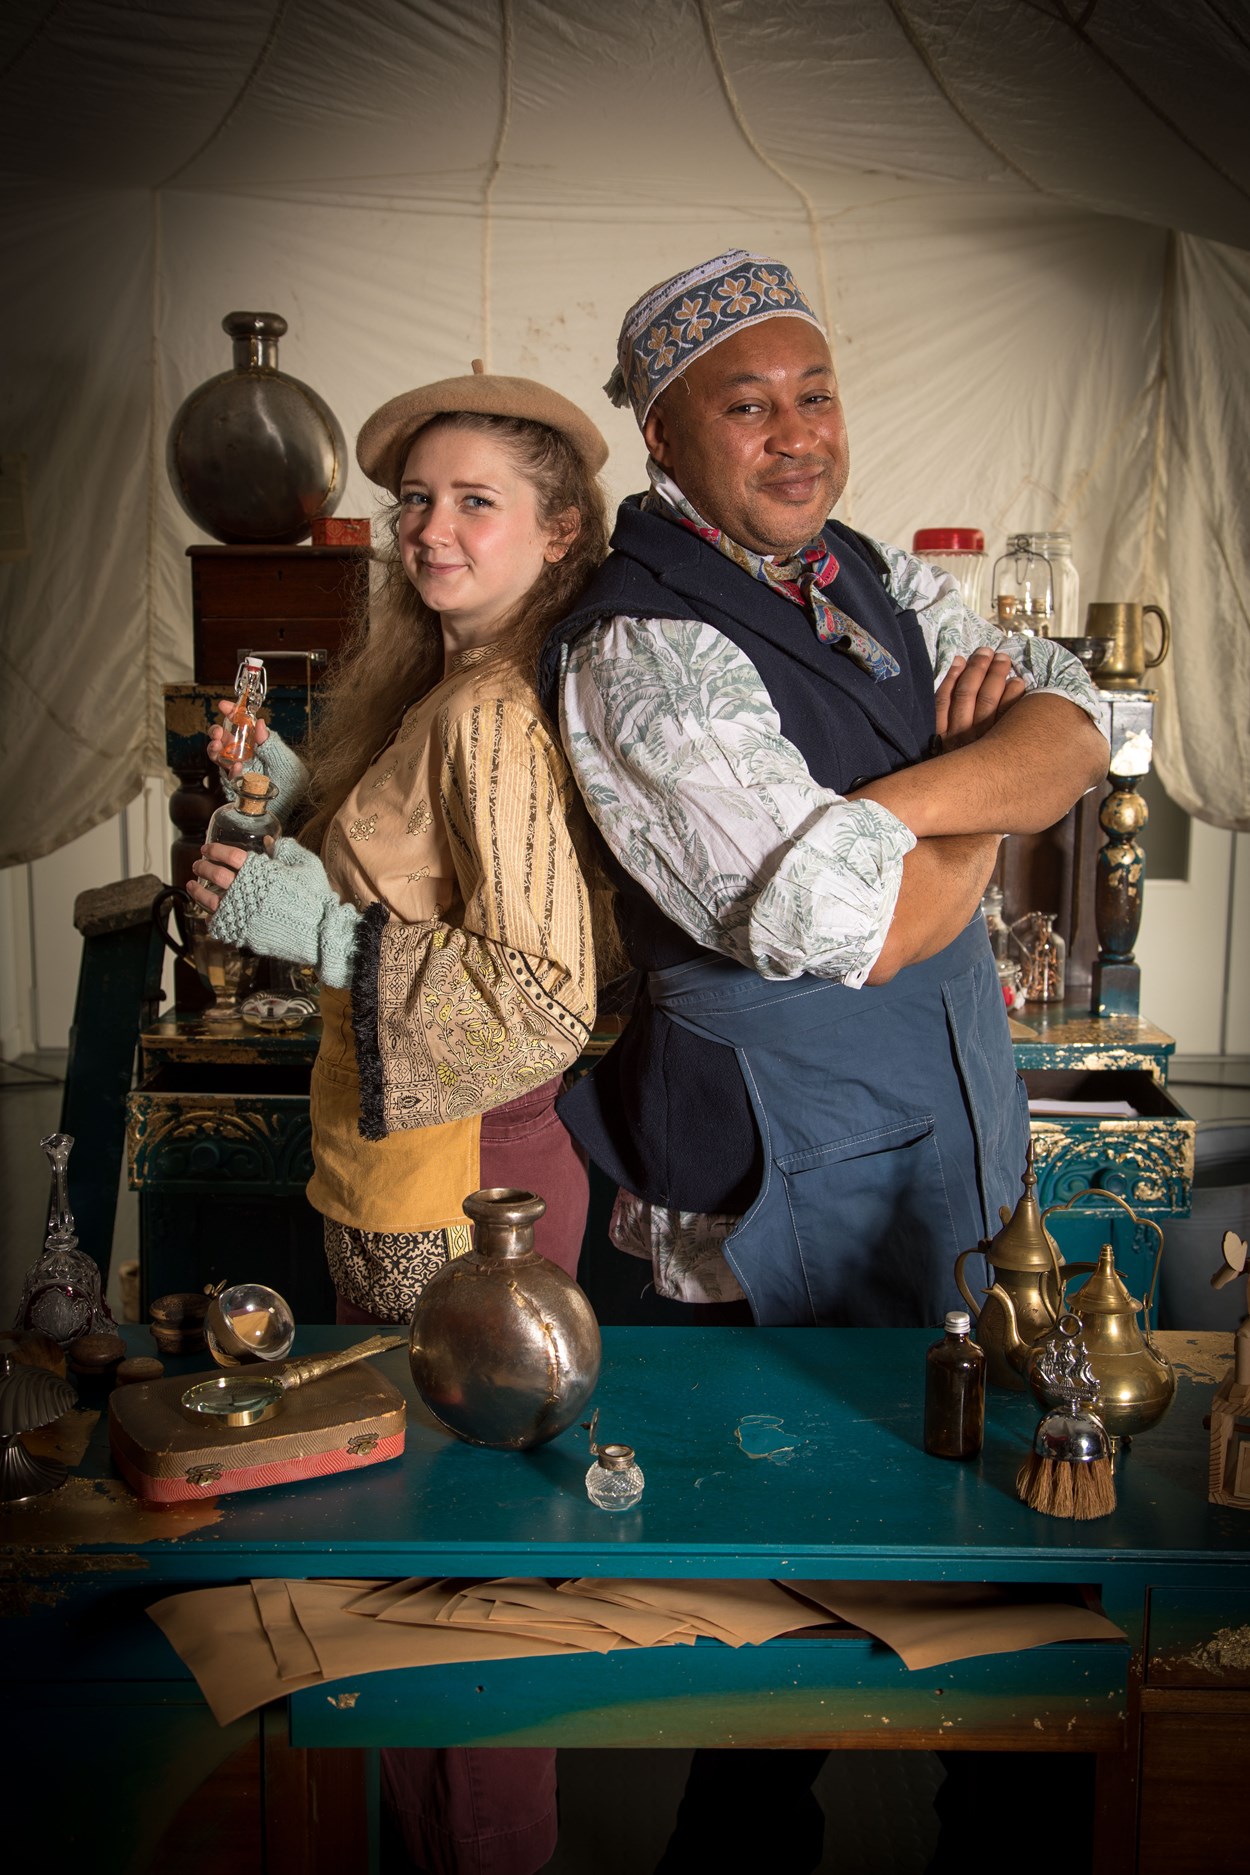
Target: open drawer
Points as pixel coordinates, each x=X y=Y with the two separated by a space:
x=1148 y=1161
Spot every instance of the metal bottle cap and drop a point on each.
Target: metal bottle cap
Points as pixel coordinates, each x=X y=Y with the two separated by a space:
x=616 y=1457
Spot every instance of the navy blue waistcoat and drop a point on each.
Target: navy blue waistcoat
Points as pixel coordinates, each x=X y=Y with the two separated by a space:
x=665 y=1112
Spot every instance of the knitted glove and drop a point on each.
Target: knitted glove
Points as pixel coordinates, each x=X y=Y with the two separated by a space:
x=285 y=907
x=278 y=760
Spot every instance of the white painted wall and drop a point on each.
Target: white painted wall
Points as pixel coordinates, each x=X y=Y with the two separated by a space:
x=1194 y=946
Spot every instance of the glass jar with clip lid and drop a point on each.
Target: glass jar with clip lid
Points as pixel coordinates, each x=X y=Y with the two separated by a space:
x=1035 y=586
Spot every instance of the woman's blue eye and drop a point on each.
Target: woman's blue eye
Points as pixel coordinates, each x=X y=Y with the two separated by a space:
x=412 y=498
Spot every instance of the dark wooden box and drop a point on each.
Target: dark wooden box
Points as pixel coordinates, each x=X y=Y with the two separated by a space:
x=292 y=606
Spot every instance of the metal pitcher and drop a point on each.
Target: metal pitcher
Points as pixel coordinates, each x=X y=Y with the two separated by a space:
x=1022 y=1303
x=1136 y=1384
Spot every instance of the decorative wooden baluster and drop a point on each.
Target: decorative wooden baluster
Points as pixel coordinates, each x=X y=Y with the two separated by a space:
x=1121 y=864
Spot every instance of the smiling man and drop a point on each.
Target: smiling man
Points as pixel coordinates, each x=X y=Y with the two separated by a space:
x=801 y=751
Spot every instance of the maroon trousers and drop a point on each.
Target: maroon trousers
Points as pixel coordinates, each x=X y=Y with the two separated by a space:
x=492 y=1810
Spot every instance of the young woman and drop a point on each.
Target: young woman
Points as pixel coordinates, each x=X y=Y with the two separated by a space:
x=437 y=891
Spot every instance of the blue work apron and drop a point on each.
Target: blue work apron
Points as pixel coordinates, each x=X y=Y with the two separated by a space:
x=892 y=1121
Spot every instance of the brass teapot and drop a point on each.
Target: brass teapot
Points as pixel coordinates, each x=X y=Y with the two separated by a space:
x=1022 y=1303
x=1136 y=1384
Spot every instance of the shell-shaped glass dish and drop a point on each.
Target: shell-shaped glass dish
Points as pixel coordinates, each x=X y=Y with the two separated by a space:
x=248 y=1322
x=273 y=1013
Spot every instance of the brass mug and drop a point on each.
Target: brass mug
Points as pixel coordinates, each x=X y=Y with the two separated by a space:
x=1121 y=624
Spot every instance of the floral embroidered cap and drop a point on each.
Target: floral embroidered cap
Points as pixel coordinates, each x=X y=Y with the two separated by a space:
x=668 y=327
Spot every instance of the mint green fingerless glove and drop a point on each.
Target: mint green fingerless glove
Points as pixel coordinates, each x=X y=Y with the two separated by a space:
x=285 y=907
x=278 y=760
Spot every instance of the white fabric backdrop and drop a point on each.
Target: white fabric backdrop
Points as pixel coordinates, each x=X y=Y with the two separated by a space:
x=980 y=195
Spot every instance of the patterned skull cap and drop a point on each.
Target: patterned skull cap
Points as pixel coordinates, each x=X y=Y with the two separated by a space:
x=666 y=329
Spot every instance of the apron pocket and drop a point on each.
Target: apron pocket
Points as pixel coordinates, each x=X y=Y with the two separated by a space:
x=891 y=1261
x=994 y=1094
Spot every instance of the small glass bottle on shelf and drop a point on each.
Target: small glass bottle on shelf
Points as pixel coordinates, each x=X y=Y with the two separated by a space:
x=615 y=1480
x=1045 y=957
x=238 y=740
x=954 y=1392
x=247 y=820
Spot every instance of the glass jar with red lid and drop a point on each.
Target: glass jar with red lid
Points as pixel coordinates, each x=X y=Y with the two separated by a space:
x=959 y=551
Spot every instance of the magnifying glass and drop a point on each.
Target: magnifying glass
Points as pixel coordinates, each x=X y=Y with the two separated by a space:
x=247 y=1399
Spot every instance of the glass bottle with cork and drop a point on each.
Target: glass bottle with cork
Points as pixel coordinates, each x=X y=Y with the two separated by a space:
x=954 y=1392
x=248 y=820
x=238 y=738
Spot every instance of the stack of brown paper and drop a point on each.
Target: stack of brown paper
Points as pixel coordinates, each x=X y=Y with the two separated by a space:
x=259 y=1641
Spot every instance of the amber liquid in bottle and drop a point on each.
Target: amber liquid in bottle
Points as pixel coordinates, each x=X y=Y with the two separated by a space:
x=954 y=1392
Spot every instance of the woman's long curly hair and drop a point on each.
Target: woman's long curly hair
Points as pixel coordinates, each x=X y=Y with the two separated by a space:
x=395 y=653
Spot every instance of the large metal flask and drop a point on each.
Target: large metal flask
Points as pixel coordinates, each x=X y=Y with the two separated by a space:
x=505 y=1347
x=256 y=456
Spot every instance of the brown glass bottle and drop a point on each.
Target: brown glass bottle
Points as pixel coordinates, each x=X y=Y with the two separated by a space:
x=954 y=1392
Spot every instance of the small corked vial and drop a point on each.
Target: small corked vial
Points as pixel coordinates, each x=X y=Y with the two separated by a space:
x=615 y=1480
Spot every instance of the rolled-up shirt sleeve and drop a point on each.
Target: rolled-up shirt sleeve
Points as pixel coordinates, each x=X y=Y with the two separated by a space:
x=952 y=631
x=678 y=752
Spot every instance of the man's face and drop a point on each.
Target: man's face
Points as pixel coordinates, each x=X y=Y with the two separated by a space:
x=753 y=435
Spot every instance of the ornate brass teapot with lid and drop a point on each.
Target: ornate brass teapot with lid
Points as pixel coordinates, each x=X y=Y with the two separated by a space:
x=1136 y=1384
x=1023 y=1302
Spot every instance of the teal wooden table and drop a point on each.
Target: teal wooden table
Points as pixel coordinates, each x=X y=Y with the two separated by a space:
x=781 y=1453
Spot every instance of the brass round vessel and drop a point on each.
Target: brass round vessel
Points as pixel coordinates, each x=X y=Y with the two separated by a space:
x=504 y=1347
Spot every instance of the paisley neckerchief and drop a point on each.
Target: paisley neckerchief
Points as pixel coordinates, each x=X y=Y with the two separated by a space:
x=802 y=578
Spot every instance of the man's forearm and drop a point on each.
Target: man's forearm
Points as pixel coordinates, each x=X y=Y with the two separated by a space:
x=1021 y=776
x=943 y=880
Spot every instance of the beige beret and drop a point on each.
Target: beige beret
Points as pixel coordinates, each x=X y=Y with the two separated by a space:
x=384 y=441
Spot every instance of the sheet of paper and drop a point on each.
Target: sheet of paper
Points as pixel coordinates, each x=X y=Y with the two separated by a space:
x=930 y=1623
x=347 y=1646
x=1085 y=1109
x=294 y=1654
x=740 y=1613
x=218 y=1634
x=515 y=1600
x=386 y=1594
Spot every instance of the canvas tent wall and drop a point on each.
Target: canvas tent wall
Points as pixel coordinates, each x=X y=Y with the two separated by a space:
x=1026 y=222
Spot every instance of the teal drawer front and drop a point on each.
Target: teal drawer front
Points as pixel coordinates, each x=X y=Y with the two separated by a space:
x=852 y=1692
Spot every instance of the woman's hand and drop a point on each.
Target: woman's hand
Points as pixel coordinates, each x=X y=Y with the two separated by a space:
x=214 y=872
x=974 y=694
x=217 y=733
